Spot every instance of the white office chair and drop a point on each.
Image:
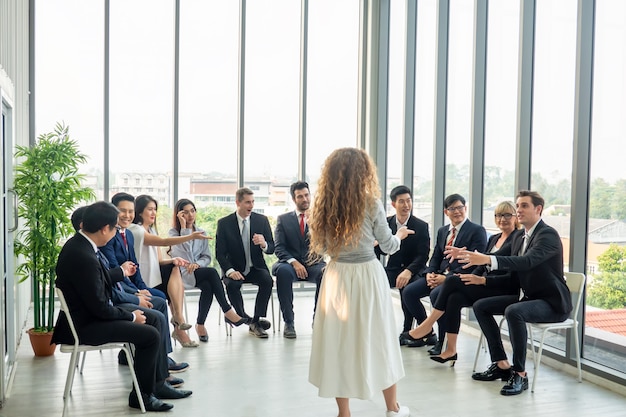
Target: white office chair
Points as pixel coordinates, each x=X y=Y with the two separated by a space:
x=229 y=329
x=576 y=284
x=76 y=349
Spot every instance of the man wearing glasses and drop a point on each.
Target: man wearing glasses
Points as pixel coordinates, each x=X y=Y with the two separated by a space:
x=461 y=232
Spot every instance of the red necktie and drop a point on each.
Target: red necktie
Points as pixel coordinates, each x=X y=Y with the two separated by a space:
x=124 y=239
x=451 y=241
x=302 y=224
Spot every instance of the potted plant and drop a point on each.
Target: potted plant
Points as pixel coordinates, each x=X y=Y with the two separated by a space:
x=48 y=188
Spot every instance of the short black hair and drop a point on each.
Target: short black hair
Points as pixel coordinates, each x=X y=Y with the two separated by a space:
x=451 y=199
x=98 y=215
x=122 y=197
x=298 y=185
x=399 y=190
x=77 y=217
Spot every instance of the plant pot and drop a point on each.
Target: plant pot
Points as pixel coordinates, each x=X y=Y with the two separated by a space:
x=41 y=343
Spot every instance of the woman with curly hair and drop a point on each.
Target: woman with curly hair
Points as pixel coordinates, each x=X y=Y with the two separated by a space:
x=354 y=351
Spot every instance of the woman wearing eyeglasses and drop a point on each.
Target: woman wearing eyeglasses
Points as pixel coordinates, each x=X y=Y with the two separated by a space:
x=462 y=290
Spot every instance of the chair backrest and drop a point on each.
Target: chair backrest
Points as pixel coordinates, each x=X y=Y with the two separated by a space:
x=66 y=310
x=576 y=283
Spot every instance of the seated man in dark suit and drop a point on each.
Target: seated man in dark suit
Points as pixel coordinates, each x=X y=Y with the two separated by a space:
x=132 y=289
x=240 y=242
x=406 y=265
x=87 y=285
x=536 y=258
x=292 y=250
x=461 y=232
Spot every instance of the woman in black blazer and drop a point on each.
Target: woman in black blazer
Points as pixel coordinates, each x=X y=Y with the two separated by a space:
x=462 y=290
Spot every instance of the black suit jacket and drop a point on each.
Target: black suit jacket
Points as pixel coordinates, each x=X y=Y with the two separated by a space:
x=414 y=249
x=289 y=241
x=472 y=236
x=86 y=285
x=229 y=247
x=540 y=269
x=502 y=279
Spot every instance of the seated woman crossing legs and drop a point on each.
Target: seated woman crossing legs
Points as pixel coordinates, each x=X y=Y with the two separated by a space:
x=462 y=290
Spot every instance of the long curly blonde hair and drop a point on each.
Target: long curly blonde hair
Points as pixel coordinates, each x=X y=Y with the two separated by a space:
x=347 y=188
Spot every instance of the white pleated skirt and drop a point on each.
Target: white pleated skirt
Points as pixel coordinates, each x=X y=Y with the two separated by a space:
x=355 y=351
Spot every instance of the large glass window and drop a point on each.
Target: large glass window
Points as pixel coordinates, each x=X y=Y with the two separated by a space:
x=424 y=109
x=207 y=153
x=605 y=339
x=272 y=101
x=69 y=78
x=395 y=126
x=553 y=115
x=459 y=110
x=553 y=108
x=500 y=106
x=333 y=81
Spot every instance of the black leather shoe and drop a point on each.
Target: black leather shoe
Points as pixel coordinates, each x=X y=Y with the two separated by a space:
x=122 y=359
x=431 y=339
x=516 y=385
x=436 y=350
x=167 y=392
x=290 y=332
x=492 y=373
x=256 y=330
x=264 y=324
x=407 y=340
x=174 y=382
x=151 y=402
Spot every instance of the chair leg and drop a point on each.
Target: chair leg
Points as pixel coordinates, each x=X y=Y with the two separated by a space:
x=580 y=371
x=538 y=359
x=480 y=343
x=82 y=362
x=131 y=367
x=531 y=338
x=273 y=318
x=69 y=381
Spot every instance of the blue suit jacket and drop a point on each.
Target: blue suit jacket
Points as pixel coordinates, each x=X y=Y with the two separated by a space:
x=289 y=241
x=473 y=236
x=117 y=254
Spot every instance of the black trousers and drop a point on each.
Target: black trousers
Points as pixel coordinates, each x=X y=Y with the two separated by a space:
x=150 y=356
x=210 y=284
x=259 y=277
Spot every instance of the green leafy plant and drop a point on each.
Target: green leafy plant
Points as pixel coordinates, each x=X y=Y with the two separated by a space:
x=48 y=187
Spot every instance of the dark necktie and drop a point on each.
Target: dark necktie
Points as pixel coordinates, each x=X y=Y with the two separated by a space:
x=302 y=224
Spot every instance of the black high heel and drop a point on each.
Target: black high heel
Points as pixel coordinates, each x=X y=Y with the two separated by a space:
x=243 y=320
x=439 y=359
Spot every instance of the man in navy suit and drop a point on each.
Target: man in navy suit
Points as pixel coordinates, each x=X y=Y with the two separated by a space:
x=536 y=258
x=87 y=286
x=241 y=240
x=461 y=232
x=406 y=265
x=292 y=250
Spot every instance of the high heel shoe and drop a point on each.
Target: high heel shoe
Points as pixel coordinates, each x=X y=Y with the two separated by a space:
x=238 y=323
x=439 y=359
x=180 y=326
x=187 y=344
x=203 y=337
